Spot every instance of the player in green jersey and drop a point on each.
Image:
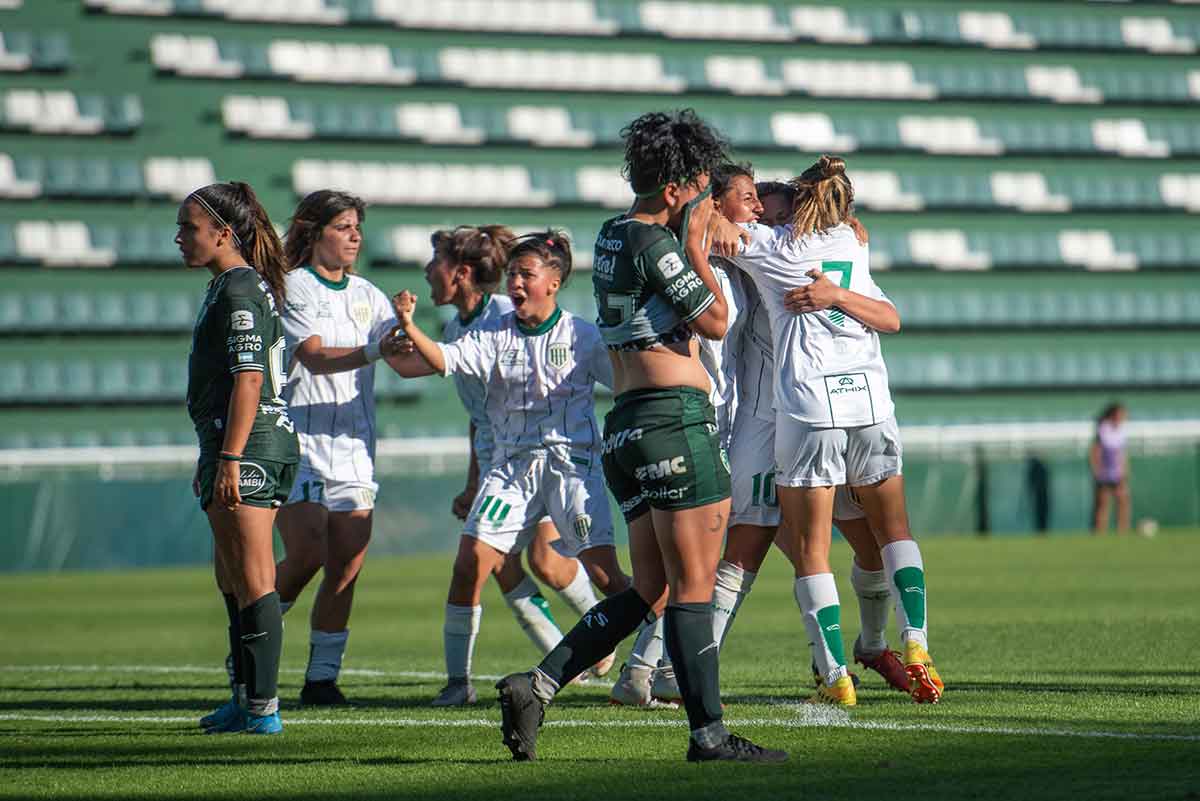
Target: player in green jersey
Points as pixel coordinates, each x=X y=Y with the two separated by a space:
x=248 y=447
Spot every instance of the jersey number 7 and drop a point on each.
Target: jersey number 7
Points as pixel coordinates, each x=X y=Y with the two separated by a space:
x=843 y=270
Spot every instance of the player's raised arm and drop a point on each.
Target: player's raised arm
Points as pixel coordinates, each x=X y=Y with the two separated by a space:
x=405 y=303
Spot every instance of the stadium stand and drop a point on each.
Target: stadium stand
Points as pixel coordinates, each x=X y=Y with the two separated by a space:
x=1029 y=173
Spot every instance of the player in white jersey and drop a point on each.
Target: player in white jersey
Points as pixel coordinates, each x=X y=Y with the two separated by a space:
x=754 y=519
x=463 y=272
x=539 y=364
x=834 y=415
x=334 y=322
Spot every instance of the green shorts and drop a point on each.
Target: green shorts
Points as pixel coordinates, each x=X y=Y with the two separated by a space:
x=263 y=483
x=662 y=450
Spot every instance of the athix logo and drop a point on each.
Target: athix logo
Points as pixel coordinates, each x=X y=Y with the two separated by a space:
x=846 y=381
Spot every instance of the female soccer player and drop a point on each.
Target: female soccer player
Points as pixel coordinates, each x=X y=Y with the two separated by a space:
x=662 y=457
x=335 y=322
x=1110 y=469
x=539 y=364
x=834 y=422
x=464 y=272
x=248 y=448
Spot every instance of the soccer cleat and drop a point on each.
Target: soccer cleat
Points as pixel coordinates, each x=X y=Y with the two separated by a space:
x=521 y=715
x=602 y=668
x=632 y=687
x=322 y=693
x=886 y=663
x=734 y=749
x=924 y=684
x=840 y=693
x=664 y=687
x=222 y=717
x=263 y=724
x=458 y=692
x=818 y=679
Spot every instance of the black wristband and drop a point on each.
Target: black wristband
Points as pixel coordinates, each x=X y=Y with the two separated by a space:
x=226 y=456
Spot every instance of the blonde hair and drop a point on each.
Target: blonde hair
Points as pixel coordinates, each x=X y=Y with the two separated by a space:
x=824 y=197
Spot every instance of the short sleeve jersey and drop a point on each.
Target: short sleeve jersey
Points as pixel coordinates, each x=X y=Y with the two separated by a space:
x=646 y=291
x=472 y=391
x=829 y=368
x=540 y=381
x=239 y=330
x=754 y=354
x=335 y=412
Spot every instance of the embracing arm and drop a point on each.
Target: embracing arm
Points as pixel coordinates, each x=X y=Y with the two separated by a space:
x=320 y=360
x=713 y=321
x=822 y=294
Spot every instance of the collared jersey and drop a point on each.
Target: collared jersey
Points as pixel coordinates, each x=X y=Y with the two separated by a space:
x=539 y=381
x=238 y=330
x=334 y=412
x=754 y=355
x=472 y=391
x=718 y=355
x=646 y=291
x=829 y=366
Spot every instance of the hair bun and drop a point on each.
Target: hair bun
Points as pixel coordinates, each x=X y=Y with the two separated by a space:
x=831 y=166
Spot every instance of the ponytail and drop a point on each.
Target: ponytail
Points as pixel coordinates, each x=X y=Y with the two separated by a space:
x=824 y=196
x=484 y=250
x=551 y=247
x=235 y=206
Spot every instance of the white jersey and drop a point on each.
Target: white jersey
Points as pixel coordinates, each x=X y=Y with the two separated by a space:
x=472 y=391
x=539 y=382
x=755 y=357
x=334 y=413
x=717 y=355
x=829 y=366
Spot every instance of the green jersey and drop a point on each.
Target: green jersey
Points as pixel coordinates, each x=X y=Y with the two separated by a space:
x=238 y=330
x=646 y=291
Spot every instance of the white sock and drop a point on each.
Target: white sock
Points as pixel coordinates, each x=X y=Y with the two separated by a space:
x=732 y=587
x=284 y=606
x=458 y=638
x=648 y=649
x=874 y=600
x=817 y=597
x=906 y=581
x=533 y=614
x=325 y=654
x=579 y=594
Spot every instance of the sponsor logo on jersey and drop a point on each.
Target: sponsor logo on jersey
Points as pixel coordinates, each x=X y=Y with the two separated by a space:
x=631 y=504
x=557 y=355
x=683 y=286
x=583 y=527
x=241 y=320
x=511 y=358
x=604 y=266
x=847 y=384
x=614 y=441
x=670 y=265
x=244 y=342
x=361 y=312
x=665 y=468
x=664 y=494
x=615 y=245
x=253 y=478
x=323 y=309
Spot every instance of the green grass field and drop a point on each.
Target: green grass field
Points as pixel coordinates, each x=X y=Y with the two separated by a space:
x=1072 y=668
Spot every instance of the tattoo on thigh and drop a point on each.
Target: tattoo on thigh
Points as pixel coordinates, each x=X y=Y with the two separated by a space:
x=718 y=523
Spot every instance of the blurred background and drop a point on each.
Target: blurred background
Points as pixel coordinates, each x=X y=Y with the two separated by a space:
x=1029 y=174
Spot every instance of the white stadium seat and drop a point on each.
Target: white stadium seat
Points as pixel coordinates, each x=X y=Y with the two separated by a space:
x=946 y=135
x=1127 y=137
x=48 y=112
x=541 y=16
x=1061 y=84
x=13 y=62
x=177 y=177
x=741 y=75
x=748 y=21
x=192 y=55
x=546 y=69
x=1094 y=250
x=547 y=126
x=880 y=190
x=13 y=187
x=1026 y=191
x=813 y=131
x=1181 y=190
x=603 y=185
x=826 y=24
x=825 y=78
x=59 y=244
x=993 y=29
x=435 y=122
x=1154 y=34
x=146 y=8
x=946 y=250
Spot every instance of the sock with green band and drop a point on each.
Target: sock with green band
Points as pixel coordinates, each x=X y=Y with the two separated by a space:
x=579 y=594
x=906 y=574
x=262 y=644
x=817 y=597
x=533 y=615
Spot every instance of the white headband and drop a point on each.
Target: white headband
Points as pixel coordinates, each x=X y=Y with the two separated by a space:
x=213 y=213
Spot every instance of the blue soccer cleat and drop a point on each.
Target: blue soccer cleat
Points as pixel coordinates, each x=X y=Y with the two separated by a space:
x=263 y=724
x=228 y=717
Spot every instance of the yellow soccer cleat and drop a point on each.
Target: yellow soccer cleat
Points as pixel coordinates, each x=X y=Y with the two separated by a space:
x=924 y=684
x=840 y=693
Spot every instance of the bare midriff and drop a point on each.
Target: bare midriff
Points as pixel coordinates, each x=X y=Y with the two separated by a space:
x=659 y=367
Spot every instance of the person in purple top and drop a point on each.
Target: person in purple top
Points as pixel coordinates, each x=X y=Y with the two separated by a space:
x=1110 y=469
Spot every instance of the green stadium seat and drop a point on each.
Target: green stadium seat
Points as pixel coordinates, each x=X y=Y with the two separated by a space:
x=13 y=382
x=41 y=312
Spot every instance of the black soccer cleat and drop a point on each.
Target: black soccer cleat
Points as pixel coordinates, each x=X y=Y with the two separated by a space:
x=734 y=749
x=322 y=693
x=521 y=714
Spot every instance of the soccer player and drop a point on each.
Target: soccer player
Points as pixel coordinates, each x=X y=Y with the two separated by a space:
x=662 y=456
x=539 y=365
x=464 y=271
x=834 y=416
x=248 y=447
x=1110 y=469
x=754 y=519
x=335 y=322
x=647 y=676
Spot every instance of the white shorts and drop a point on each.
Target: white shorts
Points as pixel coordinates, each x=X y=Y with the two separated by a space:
x=846 y=505
x=807 y=456
x=336 y=496
x=516 y=495
x=752 y=465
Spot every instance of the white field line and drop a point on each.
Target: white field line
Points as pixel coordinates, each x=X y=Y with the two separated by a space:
x=825 y=719
x=801 y=716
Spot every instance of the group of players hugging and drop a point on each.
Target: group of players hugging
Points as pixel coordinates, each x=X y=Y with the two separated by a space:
x=738 y=328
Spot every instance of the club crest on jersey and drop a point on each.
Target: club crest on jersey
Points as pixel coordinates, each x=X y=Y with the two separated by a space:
x=241 y=320
x=252 y=479
x=361 y=312
x=557 y=355
x=583 y=527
